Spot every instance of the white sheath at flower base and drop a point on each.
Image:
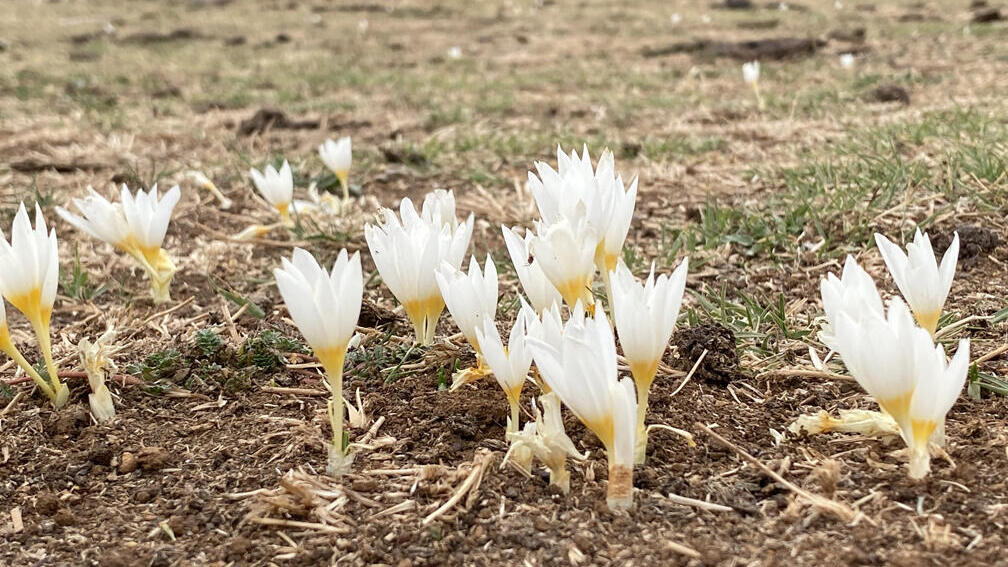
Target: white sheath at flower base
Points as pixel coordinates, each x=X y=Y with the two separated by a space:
x=29 y=275
x=277 y=187
x=325 y=307
x=538 y=288
x=580 y=367
x=337 y=156
x=923 y=282
x=645 y=317
x=408 y=250
x=137 y=226
x=470 y=297
x=854 y=293
x=510 y=364
x=607 y=205
x=566 y=252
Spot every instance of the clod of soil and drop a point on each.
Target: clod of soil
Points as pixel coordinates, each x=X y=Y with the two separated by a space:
x=70 y=421
x=890 y=93
x=720 y=365
x=759 y=24
x=47 y=504
x=975 y=242
x=373 y=315
x=763 y=49
x=150 y=38
x=147 y=458
x=986 y=15
x=271 y=119
x=855 y=35
x=733 y=5
x=65 y=518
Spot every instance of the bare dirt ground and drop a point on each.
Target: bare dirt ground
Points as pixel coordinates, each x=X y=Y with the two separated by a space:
x=208 y=463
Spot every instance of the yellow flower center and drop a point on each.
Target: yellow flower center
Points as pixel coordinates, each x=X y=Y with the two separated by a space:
x=574 y=289
x=928 y=321
x=332 y=360
x=898 y=407
x=922 y=430
x=424 y=314
x=604 y=429
x=31 y=305
x=644 y=372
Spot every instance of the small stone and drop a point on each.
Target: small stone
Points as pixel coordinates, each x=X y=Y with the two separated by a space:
x=128 y=463
x=65 y=518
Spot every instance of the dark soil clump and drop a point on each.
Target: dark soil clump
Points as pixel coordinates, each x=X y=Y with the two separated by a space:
x=721 y=364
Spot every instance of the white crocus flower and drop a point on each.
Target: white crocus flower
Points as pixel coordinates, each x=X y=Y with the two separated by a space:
x=538 y=288
x=854 y=293
x=471 y=298
x=877 y=354
x=545 y=439
x=939 y=382
x=580 y=367
x=510 y=364
x=438 y=209
x=337 y=156
x=645 y=317
x=407 y=252
x=566 y=252
x=923 y=282
x=575 y=189
x=277 y=187
x=751 y=75
x=325 y=307
x=750 y=72
x=58 y=395
x=29 y=275
x=137 y=226
x=847 y=60
x=200 y=179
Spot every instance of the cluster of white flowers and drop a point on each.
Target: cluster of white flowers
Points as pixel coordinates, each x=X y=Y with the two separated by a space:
x=585 y=214
x=896 y=361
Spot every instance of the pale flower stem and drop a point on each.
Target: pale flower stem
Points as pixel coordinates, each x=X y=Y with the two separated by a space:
x=560 y=477
x=10 y=350
x=332 y=363
x=45 y=345
x=285 y=218
x=160 y=291
x=759 y=98
x=512 y=426
x=345 y=186
x=920 y=462
x=640 y=447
